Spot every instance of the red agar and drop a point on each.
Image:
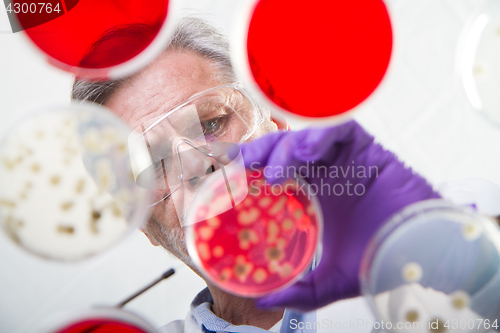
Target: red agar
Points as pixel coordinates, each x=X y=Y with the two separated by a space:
x=263 y=243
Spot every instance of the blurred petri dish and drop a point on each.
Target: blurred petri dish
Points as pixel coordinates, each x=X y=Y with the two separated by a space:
x=99 y=39
x=260 y=245
x=67 y=189
x=104 y=320
x=434 y=267
x=479 y=52
x=313 y=59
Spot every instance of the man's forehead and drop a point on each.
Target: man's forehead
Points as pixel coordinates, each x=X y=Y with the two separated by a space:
x=168 y=81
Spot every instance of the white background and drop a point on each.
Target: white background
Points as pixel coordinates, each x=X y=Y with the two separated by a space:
x=420 y=112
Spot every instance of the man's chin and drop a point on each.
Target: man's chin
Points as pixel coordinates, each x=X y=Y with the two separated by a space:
x=174 y=242
x=182 y=254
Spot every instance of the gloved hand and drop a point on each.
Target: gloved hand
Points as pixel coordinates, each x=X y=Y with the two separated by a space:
x=379 y=186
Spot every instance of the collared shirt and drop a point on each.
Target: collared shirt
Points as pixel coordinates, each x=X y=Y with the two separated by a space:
x=201 y=319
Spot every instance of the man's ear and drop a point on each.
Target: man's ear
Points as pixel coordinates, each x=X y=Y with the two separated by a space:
x=151 y=239
x=281 y=123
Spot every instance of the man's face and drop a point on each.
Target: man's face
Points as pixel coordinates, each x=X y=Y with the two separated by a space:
x=170 y=80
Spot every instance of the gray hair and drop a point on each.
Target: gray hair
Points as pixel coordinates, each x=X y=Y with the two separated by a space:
x=191 y=34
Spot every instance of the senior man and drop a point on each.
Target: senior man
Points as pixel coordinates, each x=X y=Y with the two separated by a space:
x=195 y=61
x=195 y=70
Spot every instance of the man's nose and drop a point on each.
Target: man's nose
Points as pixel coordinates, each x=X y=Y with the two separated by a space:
x=195 y=163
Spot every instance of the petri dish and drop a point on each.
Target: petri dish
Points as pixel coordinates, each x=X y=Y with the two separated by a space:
x=264 y=243
x=434 y=267
x=67 y=190
x=99 y=320
x=315 y=59
x=96 y=39
x=478 y=54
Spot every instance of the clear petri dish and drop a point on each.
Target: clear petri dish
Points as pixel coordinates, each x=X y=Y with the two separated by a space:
x=96 y=39
x=67 y=189
x=478 y=54
x=434 y=267
x=250 y=238
x=312 y=60
x=99 y=320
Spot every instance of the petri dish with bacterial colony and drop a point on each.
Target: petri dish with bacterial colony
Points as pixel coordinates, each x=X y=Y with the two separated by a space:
x=96 y=39
x=67 y=190
x=251 y=238
x=316 y=59
x=434 y=266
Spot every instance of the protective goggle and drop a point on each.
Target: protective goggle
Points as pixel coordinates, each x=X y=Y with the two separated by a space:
x=192 y=140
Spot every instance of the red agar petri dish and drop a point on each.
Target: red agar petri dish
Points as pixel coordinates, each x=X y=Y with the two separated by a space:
x=263 y=244
x=101 y=326
x=96 y=320
x=98 y=39
x=316 y=58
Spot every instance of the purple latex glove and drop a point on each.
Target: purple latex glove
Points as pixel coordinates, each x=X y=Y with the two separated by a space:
x=349 y=220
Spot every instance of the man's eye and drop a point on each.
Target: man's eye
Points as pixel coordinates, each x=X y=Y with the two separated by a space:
x=213 y=125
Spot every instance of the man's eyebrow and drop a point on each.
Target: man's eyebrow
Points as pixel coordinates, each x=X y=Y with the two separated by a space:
x=204 y=108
